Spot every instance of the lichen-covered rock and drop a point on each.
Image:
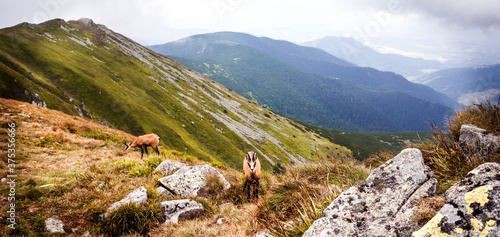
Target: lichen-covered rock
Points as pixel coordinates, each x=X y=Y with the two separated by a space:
x=473 y=207
x=179 y=210
x=54 y=225
x=188 y=180
x=382 y=204
x=137 y=196
x=169 y=167
x=478 y=142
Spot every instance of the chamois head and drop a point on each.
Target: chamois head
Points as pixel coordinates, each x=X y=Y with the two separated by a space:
x=252 y=159
x=127 y=146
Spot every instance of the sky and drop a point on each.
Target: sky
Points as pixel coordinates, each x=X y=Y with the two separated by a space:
x=432 y=29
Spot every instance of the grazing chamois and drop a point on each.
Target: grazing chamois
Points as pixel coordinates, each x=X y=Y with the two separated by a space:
x=143 y=142
x=251 y=168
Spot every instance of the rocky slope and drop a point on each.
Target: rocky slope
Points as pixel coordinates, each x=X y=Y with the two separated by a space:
x=86 y=69
x=388 y=202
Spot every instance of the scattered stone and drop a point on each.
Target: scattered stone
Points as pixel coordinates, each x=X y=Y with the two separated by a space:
x=137 y=196
x=54 y=225
x=188 y=180
x=37 y=100
x=473 y=206
x=477 y=142
x=379 y=206
x=264 y=233
x=220 y=221
x=169 y=167
x=4 y=180
x=87 y=234
x=179 y=210
x=46 y=186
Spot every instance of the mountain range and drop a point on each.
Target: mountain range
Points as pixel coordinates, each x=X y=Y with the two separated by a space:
x=85 y=69
x=466 y=85
x=361 y=55
x=309 y=84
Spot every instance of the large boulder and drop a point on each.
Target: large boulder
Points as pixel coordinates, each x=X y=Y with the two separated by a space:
x=477 y=142
x=137 y=196
x=188 y=180
x=473 y=207
x=179 y=210
x=382 y=205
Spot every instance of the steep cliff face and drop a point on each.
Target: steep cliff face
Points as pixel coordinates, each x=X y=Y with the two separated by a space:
x=88 y=70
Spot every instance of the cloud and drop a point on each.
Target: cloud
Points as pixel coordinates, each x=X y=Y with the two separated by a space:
x=478 y=14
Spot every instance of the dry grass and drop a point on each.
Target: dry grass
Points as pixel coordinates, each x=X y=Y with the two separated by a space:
x=485 y=115
x=427 y=208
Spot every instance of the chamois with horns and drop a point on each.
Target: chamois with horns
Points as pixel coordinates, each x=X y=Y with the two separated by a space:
x=143 y=142
x=251 y=168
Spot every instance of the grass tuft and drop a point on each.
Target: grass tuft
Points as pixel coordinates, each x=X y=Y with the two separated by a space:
x=132 y=219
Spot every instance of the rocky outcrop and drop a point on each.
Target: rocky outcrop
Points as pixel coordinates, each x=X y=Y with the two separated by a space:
x=473 y=207
x=382 y=204
x=477 y=142
x=169 y=167
x=188 y=180
x=54 y=225
x=179 y=210
x=137 y=196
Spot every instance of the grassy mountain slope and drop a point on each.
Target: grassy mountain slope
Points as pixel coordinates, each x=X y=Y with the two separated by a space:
x=308 y=59
x=311 y=98
x=86 y=69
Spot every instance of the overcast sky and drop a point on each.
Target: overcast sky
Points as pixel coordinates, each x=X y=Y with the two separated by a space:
x=412 y=27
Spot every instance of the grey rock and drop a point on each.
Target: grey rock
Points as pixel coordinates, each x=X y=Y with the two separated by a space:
x=37 y=100
x=169 y=167
x=477 y=142
x=382 y=204
x=54 y=225
x=179 y=210
x=473 y=206
x=137 y=196
x=188 y=180
x=163 y=192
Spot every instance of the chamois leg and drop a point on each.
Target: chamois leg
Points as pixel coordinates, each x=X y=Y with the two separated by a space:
x=246 y=188
x=156 y=149
x=256 y=189
x=142 y=152
x=146 y=150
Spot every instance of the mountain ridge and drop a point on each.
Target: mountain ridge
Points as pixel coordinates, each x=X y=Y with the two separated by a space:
x=297 y=93
x=357 y=53
x=466 y=85
x=86 y=69
x=314 y=61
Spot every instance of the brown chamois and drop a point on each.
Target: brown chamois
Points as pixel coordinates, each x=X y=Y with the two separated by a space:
x=143 y=142
x=251 y=168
